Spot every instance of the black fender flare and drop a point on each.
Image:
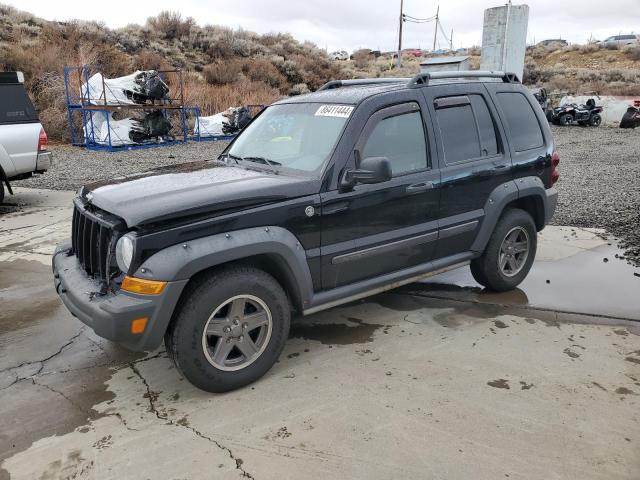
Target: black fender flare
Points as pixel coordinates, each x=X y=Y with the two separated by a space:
x=498 y=200
x=183 y=261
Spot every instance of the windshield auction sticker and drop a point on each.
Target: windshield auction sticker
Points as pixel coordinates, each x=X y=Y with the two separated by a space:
x=342 y=111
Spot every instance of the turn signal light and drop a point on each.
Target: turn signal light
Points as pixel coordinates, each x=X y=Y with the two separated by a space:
x=144 y=287
x=138 y=325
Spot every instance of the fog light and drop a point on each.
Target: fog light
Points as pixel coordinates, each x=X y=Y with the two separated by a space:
x=138 y=325
x=144 y=287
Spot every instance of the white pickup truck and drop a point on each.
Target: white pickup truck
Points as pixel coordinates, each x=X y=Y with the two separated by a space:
x=23 y=141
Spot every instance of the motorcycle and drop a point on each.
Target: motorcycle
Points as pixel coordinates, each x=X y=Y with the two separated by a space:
x=544 y=101
x=572 y=114
x=631 y=119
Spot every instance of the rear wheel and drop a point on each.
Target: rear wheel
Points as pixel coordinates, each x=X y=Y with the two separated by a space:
x=565 y=119
x=595 y=120
x=1 y=191
x=229 y=329
x=509 y=254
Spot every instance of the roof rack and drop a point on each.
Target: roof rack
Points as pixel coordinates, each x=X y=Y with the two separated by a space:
x=362 y=81
x=423 y=78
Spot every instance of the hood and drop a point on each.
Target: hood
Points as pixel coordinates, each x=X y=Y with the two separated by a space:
x=196 y=188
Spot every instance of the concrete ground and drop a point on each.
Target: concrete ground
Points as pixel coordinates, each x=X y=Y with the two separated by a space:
x=434 y=380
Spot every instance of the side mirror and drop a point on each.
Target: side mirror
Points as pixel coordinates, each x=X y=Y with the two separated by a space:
x=372 y=170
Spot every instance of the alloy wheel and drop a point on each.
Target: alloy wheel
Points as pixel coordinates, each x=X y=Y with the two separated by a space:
x=237 y=332
x=514 y=251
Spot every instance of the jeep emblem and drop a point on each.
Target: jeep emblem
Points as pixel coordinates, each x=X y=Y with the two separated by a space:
x=309 y=211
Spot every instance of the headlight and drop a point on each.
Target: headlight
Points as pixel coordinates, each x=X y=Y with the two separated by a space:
x=124 y=252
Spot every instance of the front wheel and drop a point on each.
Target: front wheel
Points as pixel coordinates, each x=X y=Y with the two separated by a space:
x=229 y=329
x=509 y=254
x=595 y=120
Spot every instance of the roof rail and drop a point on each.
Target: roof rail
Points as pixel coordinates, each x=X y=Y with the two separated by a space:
x=361 y=81
x=423 y=78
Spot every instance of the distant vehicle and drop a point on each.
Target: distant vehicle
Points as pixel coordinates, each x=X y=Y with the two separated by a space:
x=413 y=52
x=23 y=141
x=553 y=41
x=541 y=96
x=339 y=55
x=321 y=200
x=583 y=115
x=631 y=119
x=621 y=40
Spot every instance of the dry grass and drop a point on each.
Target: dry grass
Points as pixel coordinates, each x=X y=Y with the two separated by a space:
x=225 y=67
x=222 y=67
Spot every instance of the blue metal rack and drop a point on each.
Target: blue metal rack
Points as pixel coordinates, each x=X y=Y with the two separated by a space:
x=80 y=106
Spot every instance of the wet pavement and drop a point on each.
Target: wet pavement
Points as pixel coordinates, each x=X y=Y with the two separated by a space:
x=434 y=380
x=578 y=272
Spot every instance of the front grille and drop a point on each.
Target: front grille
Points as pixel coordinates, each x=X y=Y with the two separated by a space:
x=93 y=236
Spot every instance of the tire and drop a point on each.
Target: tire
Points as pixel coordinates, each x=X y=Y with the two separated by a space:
x=1 y=190
x=549 y=115
x=201 y=358
x=565 y=119
x=595 y=120
x=486 y=270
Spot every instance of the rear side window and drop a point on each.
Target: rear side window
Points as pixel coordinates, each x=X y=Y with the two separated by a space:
x=521 y=120
x=466 y=128
x=401 y=139
x=486 y=128
x=15 y=106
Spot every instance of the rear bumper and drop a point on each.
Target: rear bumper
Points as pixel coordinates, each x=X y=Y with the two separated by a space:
x=43 y=162
x=551 y=204
x=110 y=315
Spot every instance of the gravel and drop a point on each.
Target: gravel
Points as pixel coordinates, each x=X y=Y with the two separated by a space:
x=76 y=166
x=600 y=182
x=599 y=176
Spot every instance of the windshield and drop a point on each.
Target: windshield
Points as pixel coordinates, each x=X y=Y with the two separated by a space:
x=299 y=136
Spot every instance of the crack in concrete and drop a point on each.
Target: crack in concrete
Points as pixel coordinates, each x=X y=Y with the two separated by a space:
x=42 y=361
x=152 y=396
x=91 y=413
x=110 y=364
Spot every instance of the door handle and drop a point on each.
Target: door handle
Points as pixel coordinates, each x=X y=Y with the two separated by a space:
x=419 y=187
x=500 y=166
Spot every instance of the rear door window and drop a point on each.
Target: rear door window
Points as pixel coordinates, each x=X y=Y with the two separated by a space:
x=15 y=105
x=466 y=127
x=522 y=122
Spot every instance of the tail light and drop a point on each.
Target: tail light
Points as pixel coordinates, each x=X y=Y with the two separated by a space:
x=42 y=140
x=555 y=161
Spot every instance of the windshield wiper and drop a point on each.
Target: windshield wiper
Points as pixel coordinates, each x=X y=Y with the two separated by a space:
x=231 y=156
x=266 y=161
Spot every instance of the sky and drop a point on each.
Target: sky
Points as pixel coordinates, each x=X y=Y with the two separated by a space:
x=352 y=24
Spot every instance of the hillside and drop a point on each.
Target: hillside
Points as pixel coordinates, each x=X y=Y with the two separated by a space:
x=226 y=67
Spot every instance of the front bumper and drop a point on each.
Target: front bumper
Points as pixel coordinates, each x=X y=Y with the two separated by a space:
x=43 y=162
x=110 y=315
x=550 y=204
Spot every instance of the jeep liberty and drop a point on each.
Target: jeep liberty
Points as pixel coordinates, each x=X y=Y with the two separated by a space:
x=322 y=199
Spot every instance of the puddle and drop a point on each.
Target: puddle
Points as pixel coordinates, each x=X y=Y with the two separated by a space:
x=353 y=332
x=583 y=283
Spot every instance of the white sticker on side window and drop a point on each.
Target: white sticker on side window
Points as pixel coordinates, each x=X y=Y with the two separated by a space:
x=342 y=111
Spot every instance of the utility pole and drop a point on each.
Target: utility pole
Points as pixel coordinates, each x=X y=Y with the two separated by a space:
x=400 y=35
x=451 y=40
x=435 y=34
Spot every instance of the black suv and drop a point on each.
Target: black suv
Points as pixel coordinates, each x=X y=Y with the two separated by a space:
x=324 y=198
